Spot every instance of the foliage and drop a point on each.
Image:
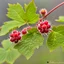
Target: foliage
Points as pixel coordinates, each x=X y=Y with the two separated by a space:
x=8 y=53
x=56 y=37
x=20 y=16
x=30 y=42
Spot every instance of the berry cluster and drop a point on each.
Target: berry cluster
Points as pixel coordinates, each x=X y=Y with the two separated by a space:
x=43 y=27
x=15 y=36
x=43 y=12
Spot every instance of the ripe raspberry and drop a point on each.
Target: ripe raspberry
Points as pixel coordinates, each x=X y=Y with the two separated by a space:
x=11 y=35
x=15 y=31
x=43 y=12
x=44 y=27
x=15 y=36
x=48 y=26
x=46 y=30
x=42 y=30
x=19 y=37
x=24 y=31
x=46 y=22
x=12 y=39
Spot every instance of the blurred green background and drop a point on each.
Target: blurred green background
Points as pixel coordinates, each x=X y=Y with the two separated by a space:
x=42 y=55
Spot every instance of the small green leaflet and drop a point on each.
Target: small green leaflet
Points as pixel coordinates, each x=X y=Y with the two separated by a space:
x=20 y=16
x=30 y=42
x=10 y=25
x=8 y=53
x=61 y=19
x=56 y=38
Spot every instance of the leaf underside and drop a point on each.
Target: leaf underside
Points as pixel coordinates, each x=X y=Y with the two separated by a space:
x=29 y=43
x=56 y=38
x=8 y=53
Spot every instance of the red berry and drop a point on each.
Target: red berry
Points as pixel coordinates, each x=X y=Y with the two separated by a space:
x=19 y=37
x=15 y=31
x=12 y=39
x=44 y=26
x=46 y=30
x=42 y=31
x=39 y=28
x=43 y=11
x=24 y=31
x=48 y=26
x=18 y=33
x=46 y=22
x=11 y=35
x=15 y=34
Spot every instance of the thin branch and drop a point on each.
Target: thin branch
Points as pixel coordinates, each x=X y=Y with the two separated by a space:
x=53 y=10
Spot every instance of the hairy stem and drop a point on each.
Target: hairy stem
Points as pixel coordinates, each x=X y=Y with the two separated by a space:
x=53 y=10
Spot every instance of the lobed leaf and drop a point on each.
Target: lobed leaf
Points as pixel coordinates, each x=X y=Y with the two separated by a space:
x=8 y=53
x=12 y=55
x=16 y=12
x=19 y=16
x=9 y=26
x=7 y=44
x=2 y=55
x=56 y=38
x=29 y=43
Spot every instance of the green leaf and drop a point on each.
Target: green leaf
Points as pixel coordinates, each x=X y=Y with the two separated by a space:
x=20 y=17
x=25 y=6
x=32 y=17
x=30 y=42
x=12 y=55
x=9 y=26
x=16 y=12
x=56 y=38
x=61 y=19
x=8 y=53
x=7 y=44
x=2 y=55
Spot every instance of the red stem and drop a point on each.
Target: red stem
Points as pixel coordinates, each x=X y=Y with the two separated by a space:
x=53 y=10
